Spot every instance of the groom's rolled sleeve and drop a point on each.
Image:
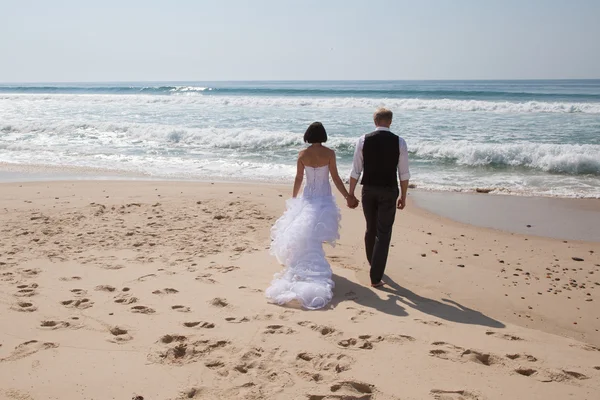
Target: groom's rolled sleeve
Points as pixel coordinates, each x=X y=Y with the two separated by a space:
x=357 y=162
x=403 y=171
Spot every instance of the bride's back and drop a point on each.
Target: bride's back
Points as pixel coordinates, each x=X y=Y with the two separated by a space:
x=316 y=156
x=316 y=166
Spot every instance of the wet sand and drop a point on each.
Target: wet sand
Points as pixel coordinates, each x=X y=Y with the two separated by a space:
x=560 y=218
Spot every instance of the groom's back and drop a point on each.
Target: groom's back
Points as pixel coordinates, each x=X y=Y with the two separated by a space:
x=381 y=151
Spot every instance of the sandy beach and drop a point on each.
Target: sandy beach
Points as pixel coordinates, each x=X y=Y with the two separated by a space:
x=155 y=290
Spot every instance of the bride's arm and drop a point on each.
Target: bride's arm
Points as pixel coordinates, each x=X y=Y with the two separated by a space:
x=299 y=177
x=336 y=177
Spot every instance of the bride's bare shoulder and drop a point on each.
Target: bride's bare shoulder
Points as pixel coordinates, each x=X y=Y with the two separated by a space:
x=330 y=151
x=302 y=154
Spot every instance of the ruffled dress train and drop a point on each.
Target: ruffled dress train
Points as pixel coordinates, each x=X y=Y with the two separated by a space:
x=297 y=242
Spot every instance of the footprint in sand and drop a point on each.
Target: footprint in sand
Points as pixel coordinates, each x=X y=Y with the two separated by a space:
x=180 y=308
x=454 y=353
x=7 y=277
x=268 y=317
x=362 y=342
x=434 y=323
x=80 y=304
x=28 y=348
x=112 y=267
x=247 y=361
x=278 y=330
x=326 y=362
x=105 y=288
x=284 y=316
x=526 y=357
x=587 y=347
x=234 y=320
x=199 y=324
x=347 y=390
x=395 y=338
x=142 y=310
x=503 y=336
x=31 y=286
x=13 y=394
x=366 y=342
x=561 y=376
x=360 y=315
x=26 y=290
x=119 y=335
x=439 y=394
x=250 y=289
x=224 y=270
x=125 y=299
x=192 y=393
x=182 y=351
x=67 y=279
x=526 y=371
x=30 y=272
x=310 y=376
x=23 y=306
x=206 y=278
x=479 y=358
x=252 y=354
x=447 y=351
x=166 y=291
x=443 y=353
x=214 y=364
x=167 y=339
x=322 y=329
x=54 y=325
x=219 y=302
x=245 y=366
x=351 y=295
x=253 y=358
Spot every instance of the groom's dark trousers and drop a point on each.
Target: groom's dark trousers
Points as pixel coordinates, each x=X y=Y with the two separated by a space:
x=379 y=207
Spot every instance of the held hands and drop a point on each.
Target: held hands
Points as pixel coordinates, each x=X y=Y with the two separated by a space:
x=352 y=201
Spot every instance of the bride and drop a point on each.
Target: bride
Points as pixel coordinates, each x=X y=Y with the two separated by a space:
x=297 y=237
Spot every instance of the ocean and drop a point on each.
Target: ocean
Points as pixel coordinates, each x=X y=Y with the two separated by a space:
x=516 y=137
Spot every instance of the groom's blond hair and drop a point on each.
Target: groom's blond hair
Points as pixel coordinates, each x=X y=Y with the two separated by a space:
x=383 y=114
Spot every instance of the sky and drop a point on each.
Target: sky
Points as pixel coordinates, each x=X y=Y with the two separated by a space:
x=204 y=40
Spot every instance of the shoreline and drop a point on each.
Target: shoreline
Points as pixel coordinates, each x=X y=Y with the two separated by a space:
x=565 y=218
x=12 y=172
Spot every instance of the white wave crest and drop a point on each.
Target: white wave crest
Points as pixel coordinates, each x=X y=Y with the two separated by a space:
x=148 y=136
x=187 y=89
x=92 y=137
x=569 y=159
x=318 y=103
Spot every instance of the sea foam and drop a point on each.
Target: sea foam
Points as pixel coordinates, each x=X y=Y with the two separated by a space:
x=321 y=103
x=570 y=159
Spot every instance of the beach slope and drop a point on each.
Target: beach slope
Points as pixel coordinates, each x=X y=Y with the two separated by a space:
x=155 y=290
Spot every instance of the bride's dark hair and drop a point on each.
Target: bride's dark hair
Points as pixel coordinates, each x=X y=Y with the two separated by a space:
x=315 y=133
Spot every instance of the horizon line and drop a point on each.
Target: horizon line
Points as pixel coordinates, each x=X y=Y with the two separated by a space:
x=301 y=80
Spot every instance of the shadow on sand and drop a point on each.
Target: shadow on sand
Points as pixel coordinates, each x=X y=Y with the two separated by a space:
x=399 y=298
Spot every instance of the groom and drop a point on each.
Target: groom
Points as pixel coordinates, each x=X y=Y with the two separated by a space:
x=382 y=155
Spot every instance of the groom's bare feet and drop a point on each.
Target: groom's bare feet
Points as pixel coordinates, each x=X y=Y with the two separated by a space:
x=378 y=284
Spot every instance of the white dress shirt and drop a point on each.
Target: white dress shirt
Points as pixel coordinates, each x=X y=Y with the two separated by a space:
x=358 y=162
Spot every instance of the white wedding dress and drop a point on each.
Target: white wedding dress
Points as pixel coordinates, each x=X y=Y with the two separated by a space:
x=297 y=242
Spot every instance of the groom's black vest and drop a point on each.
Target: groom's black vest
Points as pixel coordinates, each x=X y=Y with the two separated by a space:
x=381 y=151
